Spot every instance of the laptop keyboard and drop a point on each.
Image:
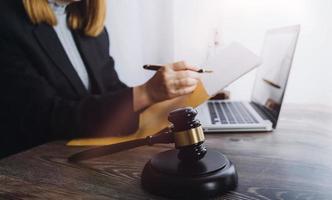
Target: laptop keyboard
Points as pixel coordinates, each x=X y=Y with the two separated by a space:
x=230 y=113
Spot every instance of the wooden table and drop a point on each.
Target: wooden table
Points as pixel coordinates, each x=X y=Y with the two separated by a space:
x=293 y=162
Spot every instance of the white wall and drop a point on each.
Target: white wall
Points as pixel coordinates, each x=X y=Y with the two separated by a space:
x=311 y=76
x=161 y=31
x=141 y=32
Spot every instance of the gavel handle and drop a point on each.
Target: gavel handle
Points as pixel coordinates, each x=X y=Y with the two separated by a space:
x=164 y=136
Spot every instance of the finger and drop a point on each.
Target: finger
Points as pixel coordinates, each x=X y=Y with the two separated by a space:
x=184 y=66
x=186 y=90
x=185 y=82
x=192 y=68
x=187 y=74
x=169 y=66
x=179 y=66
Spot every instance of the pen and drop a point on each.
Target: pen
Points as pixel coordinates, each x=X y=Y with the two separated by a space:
x=157 y=67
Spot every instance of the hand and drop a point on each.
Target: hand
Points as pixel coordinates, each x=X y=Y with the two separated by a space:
x=172 y=81
x=169 y=82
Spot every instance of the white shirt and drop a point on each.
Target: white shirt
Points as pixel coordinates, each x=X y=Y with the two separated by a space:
x=67 y=40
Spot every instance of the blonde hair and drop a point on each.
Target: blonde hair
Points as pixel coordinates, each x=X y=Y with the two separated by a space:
x=86 y=15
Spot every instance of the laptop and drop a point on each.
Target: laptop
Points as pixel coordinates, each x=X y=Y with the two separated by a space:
x=262 y=112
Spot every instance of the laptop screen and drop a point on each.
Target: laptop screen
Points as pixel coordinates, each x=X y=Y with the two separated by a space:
x=271 y=79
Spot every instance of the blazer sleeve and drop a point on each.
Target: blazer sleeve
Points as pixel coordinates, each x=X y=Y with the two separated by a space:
x=29 y=103
x=111 y=80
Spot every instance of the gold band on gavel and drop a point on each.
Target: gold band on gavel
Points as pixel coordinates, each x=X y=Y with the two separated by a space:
x=189 y=137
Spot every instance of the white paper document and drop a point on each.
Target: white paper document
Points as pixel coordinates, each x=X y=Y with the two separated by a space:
x=228 y=65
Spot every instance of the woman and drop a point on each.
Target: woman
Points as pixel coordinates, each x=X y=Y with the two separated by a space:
x=58 y=81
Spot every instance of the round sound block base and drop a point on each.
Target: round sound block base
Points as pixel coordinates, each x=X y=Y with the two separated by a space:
x=167 y=176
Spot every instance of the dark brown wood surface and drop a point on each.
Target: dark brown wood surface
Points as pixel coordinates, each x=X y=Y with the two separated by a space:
x=293 y=162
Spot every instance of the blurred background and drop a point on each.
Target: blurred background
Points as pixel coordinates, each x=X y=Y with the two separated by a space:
x=164 y=31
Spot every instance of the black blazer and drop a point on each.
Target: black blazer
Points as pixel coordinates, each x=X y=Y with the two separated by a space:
x=42 y=96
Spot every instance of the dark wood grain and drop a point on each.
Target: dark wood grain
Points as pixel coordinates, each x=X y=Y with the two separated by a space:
x=293 y=162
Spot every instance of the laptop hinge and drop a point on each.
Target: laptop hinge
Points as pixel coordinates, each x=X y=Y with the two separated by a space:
x=265 y=113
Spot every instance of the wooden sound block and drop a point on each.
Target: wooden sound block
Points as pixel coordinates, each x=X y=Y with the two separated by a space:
x=167 y=176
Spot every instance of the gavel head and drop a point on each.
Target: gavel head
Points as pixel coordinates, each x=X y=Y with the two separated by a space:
x=188 y=134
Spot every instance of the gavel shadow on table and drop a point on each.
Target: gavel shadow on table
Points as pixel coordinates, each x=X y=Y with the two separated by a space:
x=189 y=170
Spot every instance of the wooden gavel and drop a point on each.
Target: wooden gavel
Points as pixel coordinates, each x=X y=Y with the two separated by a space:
x=186 y=133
